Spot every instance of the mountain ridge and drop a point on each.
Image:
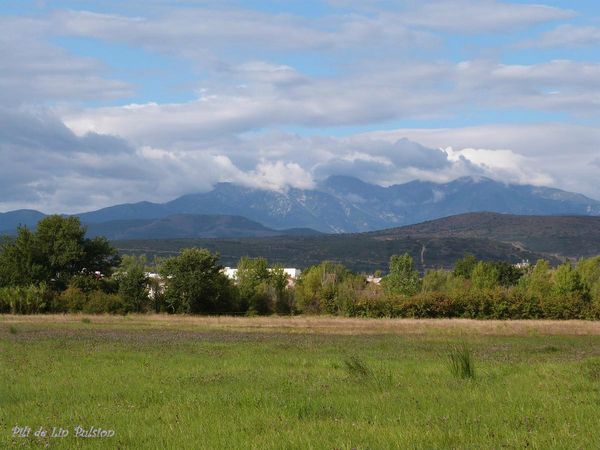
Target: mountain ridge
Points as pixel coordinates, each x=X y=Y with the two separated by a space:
x=432 y=244
x=343 y=204
x=187 y=226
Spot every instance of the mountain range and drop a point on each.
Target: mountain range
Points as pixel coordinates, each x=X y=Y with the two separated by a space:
x=338 y=204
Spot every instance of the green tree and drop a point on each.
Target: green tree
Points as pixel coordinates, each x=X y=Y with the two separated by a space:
x=195 y=283
x=437 y=280
x=464 y=266
x=133 y=283
x=566 y=280
x=484 y=276
x=537 y=283
x=21 y=262
x=402 y=277
x=316 y=290
x=284 y=300
x=100 y=256
x=252 y=281
x=589 y=270
x=55 y=252
x=508 y=274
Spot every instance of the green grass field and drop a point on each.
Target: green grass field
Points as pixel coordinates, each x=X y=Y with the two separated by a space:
x=175 y=382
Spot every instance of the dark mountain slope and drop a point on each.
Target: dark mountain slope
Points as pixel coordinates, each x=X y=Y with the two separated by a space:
x=188 y=226
x=12 y=219
x=569 y=236
x=437 y=243
x=358 y=252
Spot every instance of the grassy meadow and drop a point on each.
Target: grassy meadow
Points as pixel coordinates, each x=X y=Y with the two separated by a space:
x=305 y=382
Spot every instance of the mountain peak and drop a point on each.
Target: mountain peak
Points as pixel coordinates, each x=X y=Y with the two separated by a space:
x=344 y=180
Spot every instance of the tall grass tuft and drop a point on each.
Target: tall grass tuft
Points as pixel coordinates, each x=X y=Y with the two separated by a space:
x=357 y=368
x=591 y=369
x=460 y=361
x=13 y=330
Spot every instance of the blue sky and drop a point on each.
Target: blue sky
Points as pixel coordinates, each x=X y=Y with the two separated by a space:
x=111 y=101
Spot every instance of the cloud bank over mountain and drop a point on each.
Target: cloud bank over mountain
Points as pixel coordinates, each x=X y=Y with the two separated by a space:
x=145 y=100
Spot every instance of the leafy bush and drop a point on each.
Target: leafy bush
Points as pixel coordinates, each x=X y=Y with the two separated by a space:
x=372 y=302
x=570 y=305
x=73 y=299
x=427 y=304
x=98 y=302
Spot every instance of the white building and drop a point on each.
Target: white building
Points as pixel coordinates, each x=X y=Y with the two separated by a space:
x=230 y=273
x=524 y=264
x=291 y=272
x=373 y=279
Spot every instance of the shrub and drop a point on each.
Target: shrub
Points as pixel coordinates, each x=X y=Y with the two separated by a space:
x=522 y=305
x=570 y=305
x=73 y=299
x=427 y=304
x=86 y=282
x=99 y=302
x=371 y=302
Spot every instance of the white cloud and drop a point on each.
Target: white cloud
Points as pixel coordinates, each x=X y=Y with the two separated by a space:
x=481 y=16
x=566 y=35
x=34 y=70
x=278 y=95
x=560 y=151
x=504 y=165
x=201 y=32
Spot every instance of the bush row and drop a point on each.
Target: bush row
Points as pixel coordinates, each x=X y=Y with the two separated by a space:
x=498 y=303
x=194 y=283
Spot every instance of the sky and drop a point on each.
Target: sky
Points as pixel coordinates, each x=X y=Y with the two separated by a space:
x=105 y=102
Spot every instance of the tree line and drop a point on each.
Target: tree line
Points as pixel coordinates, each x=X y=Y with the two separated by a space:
x=57 y=269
